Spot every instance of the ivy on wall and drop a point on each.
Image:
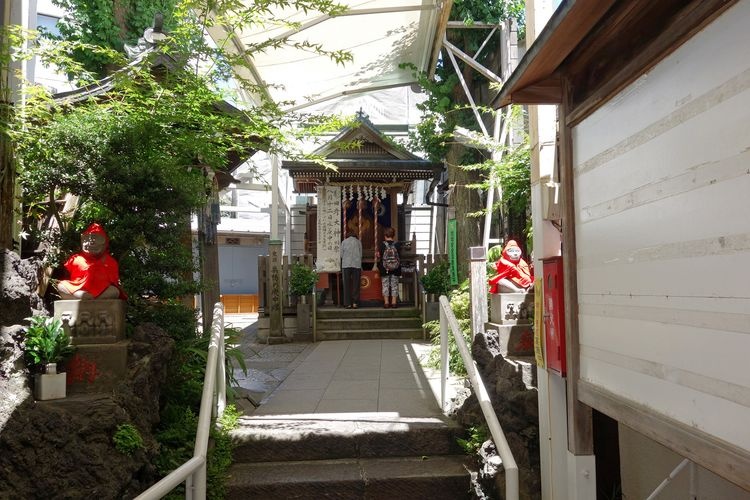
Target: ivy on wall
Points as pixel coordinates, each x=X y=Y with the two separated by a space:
x=447 y=107
x=109 y=23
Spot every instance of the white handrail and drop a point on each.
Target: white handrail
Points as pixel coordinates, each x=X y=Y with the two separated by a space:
x=669 y=479
x=213 y=401
x=448 y=322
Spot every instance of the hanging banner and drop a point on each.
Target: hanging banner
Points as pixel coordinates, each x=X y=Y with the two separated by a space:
x=329 y=229
x=452 y=251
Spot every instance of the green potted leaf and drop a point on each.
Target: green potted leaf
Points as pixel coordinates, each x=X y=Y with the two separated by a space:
x=435 y=283
x=47 y=344
x=302 y=279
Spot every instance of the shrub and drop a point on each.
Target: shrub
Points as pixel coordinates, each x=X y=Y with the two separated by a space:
x=127 y=439
x=220 y=456
x=46 y=342
x=460 y=305
x=438 y=279
x=302 y=279
x=478 y=434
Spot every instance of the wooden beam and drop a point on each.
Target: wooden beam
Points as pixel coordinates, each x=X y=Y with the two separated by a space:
x=718 y=456
x=612 y=58
x=580 y=428
x=548 y=91
x=566 y=28
x=437 y=40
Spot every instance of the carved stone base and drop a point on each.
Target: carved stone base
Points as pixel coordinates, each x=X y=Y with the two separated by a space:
x=93 y=321
x=97 y=367
x=513 y=340
x=512 y=308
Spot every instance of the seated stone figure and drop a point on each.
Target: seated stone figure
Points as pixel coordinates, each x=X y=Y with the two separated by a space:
x=94 y=273
x=513 y=273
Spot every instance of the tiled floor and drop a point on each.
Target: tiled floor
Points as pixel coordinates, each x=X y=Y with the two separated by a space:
x=336 y=377
x=358 y=376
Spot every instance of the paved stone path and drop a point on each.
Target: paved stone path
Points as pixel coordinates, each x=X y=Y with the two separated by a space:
x=267 y=365
x=334 y=376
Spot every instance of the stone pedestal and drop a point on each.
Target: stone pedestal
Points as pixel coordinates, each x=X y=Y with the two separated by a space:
x=512 y=308
x=511 y=318
x=92 y=321
x=97 y=329
x=97 y=367
x=513 y=340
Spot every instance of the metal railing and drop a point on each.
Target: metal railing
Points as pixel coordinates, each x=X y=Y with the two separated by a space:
x=448 y=322
x=213 y=402
x=693 y=493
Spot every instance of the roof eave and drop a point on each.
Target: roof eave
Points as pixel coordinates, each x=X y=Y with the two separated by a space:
x=535 y=80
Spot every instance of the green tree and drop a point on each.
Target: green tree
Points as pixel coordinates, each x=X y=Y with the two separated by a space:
x=447 y=107
x=141 y=156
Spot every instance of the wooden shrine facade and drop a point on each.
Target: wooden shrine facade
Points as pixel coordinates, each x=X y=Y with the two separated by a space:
x=361 y=194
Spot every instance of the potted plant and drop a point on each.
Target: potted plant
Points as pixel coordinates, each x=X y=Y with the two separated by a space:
x=435 y=283
x=47 y=344
x=301 y=283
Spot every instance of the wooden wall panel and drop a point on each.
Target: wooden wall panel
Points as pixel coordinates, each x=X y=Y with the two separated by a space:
x=715 y=56
x=662 y=198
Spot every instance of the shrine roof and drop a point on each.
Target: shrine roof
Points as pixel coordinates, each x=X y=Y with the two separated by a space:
x=361 y=153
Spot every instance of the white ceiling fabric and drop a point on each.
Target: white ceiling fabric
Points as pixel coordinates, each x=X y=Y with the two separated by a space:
x=380 y=35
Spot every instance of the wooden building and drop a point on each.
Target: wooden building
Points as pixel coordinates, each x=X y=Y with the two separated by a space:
x=654 y=107
x=366 y=192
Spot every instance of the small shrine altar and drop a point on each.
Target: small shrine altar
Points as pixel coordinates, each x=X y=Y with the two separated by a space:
x=366 y=193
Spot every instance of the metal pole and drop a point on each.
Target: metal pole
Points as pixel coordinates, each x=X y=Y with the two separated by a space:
x=443 y=352
x=668 y=479
x=466 y=88
x=501 y=443
x=499 y=138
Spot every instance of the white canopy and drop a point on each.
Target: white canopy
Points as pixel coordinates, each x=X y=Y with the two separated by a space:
x=380 y=35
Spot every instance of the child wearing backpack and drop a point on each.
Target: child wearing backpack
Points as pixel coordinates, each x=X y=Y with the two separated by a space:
x=389 y=265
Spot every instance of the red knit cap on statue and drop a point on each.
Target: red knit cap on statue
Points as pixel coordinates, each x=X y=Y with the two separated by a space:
x=96 y=228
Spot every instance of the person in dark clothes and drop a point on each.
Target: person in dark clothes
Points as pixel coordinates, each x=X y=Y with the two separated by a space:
x=351 y=269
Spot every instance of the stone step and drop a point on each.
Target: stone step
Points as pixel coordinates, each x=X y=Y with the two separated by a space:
x=415 y=478
x=390 y=333
x=368 y=312
x=333 y=436
x=368 y=323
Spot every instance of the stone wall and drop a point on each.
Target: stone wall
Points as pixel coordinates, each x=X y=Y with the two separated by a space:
x=64 y=448
x=511 y=384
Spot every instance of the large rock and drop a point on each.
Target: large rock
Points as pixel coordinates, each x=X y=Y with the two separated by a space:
x=18 y=284
x=64 y=448
x=514 y=400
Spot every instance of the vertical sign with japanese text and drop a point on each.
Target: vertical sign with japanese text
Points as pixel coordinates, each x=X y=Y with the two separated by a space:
x=329 y=229
x=453 y=251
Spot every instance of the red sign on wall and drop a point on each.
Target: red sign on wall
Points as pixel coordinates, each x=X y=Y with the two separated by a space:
x=554 y=315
